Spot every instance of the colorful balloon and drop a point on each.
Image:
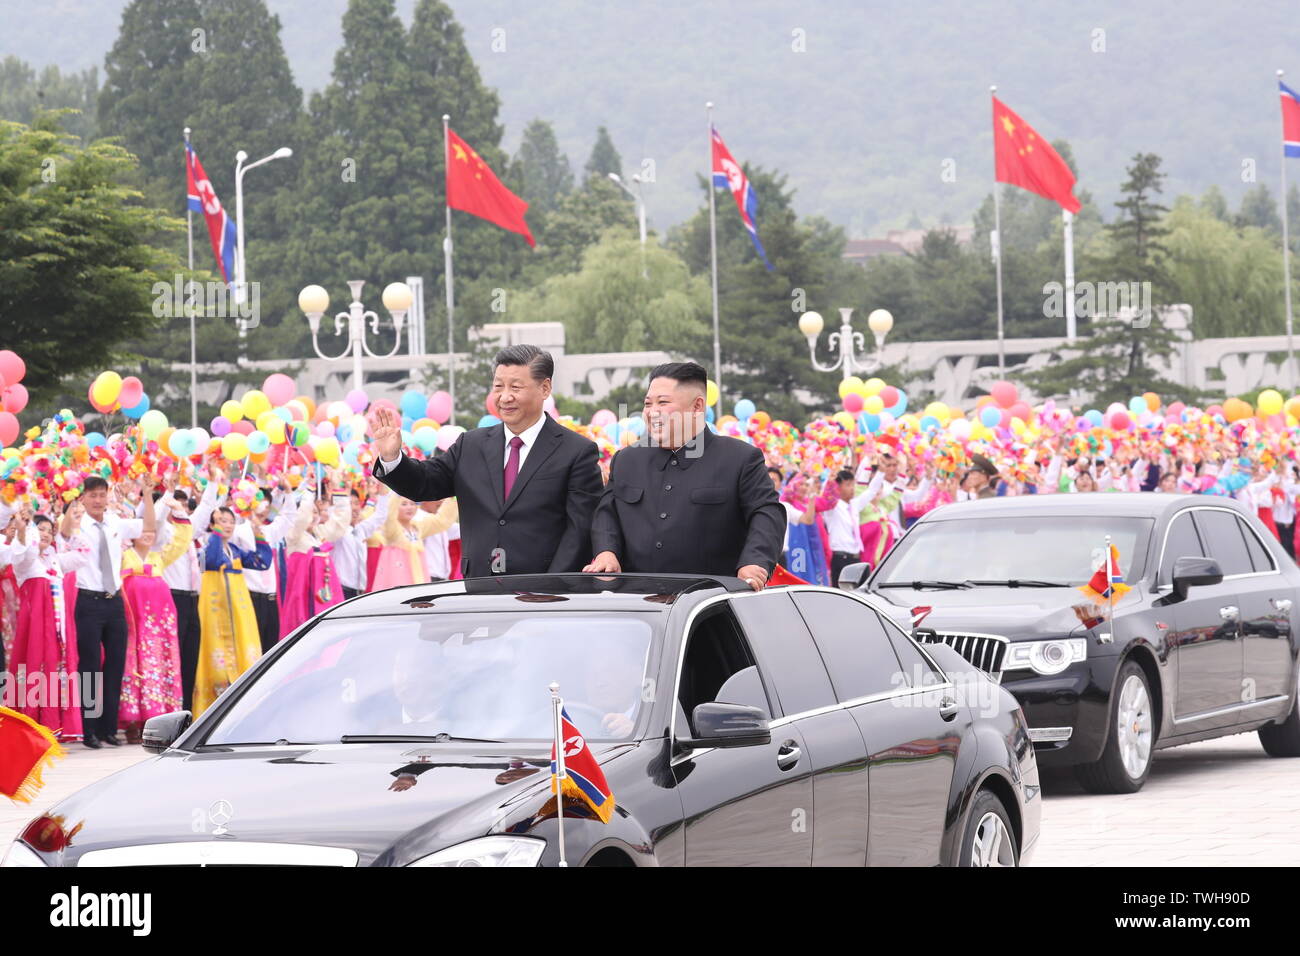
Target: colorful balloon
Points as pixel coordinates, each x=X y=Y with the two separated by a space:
x=279 y=388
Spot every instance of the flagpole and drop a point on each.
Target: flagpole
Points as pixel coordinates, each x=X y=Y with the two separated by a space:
x=1110 y=597
x=189 y=242
x=556 y=706
x=713 y=260
x=1286 y=260
x=1071 y=327
x=997 y=253
x=446 y=252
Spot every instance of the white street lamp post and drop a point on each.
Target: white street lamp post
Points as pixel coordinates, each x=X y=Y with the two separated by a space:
x=241 y=291
x=848 y=342
x=640 y=212
x=313 y=300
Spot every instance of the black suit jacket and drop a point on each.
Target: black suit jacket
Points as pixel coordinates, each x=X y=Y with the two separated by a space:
x=708 y=508
x=545 y=527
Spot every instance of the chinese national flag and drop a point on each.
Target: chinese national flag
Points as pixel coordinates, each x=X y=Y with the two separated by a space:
x=1025 y=159
x=472 y=187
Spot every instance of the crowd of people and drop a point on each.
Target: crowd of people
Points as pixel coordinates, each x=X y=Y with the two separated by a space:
x=139 y=598
x=142 y=573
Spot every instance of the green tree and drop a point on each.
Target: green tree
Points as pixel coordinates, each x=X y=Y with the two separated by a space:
x=539 y=167
x=76 y=268
x=1259 y=209
x=604 y=157
x=1212 y=202
x=24 y=94
x=608 y=306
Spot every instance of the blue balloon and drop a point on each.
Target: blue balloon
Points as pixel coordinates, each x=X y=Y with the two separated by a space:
x=488 y=420
x=869 y=422
x=989 y=416
x=899 y=407
x=95 y=439
x=426 y=438
x=139 y=409
x=1094 y=416
x=637 y=425
x=709 y=416
x=283 y=414
x=929 y=423
x=1137 y=405
x=711 y=427
x=744 y=409
x=413 y=404
x=407 y=422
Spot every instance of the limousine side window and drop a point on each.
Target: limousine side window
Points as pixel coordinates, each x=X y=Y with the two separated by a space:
x=1182 y=542
x=1260 y=559
x=716 y=650
x=1223 y=533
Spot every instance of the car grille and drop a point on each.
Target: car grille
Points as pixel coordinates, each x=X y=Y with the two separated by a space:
x=985 y=651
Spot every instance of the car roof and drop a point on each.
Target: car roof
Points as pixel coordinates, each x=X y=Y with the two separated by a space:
x=515 y=592
x=1137 y=504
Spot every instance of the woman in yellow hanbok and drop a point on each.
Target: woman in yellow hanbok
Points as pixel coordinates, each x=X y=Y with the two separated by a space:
x=230 y=643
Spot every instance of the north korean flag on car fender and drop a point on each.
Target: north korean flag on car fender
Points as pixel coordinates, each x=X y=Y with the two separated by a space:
x=583 y=777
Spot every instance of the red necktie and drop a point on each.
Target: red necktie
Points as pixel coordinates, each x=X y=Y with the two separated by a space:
x=512 y=464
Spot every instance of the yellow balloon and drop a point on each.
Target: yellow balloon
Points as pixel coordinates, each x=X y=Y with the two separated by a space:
x=939 y=410
x=850 y=384
x=274 y=430
x=873 y=404
x=254 y=403
x=327 y=452
x=872 y=386
x=264 y=420
x=844 y=418
x=234 y=447
x=711 y=393
x=1270 y=401
x=107 y=387
x=232 y=411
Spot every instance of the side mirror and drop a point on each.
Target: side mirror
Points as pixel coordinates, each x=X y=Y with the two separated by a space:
x=162 y=731
x=852 y=575
x=729 y=725
x=1195 y=572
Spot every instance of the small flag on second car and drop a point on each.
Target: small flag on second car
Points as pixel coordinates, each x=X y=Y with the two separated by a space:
x=583 y=777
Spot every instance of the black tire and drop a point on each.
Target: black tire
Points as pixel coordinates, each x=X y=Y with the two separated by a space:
x=987 y=805
x=1283 y=740
x=1109 y=774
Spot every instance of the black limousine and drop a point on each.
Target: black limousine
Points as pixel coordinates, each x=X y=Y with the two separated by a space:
x=1204 y=644
x=412 y=727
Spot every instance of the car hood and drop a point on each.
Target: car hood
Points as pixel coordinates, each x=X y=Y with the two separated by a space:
x=1020 y=614
x=330 y=795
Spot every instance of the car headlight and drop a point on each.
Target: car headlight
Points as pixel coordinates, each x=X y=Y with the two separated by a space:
x=488 y=851
x=20 y=854
x=1045 y=657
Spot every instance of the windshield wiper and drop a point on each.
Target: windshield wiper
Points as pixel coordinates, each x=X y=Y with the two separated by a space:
x=1019 y=583
x=411 y=738
x=918 y=585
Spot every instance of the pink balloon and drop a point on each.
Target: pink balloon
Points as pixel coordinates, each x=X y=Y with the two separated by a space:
x=889 y=395
x=549 y=408
x=1176 y=409
x=1120 y=421
x=853 y=403
x=279 y=388
x=243 y=427
x=446 y=439
x=357 y=400
x=325 y=429
x=15 y=398
x=1021 y=411
x=1004 y=393
x=132 y=392
x=12 y=368
x=439 y=407
x=1214 y=410
x=388 y=404
x=221 y=426
x=491 y=405
x=602 y=418
x=8 y=428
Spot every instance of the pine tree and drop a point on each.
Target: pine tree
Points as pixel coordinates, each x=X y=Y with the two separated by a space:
x=540 y=169
x=24 y=94
x=604 y=157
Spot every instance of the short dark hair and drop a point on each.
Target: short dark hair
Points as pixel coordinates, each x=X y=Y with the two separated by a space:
x=93 y=483
x=844 y=475
x=683 y=373
x=540 y=364
x=773 y=470
x=217 y=511
x=42 y=519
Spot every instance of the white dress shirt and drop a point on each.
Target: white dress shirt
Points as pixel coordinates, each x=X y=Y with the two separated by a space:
x=89 y=578
x=529 y=435
x=184 y=574
x=842 y=523
x=350 y=550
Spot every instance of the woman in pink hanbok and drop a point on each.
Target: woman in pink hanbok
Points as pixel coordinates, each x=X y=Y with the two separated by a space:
x=151 y=684
x=401 y=539
x=311 y=583
x=44 y=661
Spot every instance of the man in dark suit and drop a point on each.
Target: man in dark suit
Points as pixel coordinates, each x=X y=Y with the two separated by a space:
x=526 y=488
x=689 y=501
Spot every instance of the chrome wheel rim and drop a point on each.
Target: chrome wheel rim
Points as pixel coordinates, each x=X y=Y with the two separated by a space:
x=992 y=844
x=1133 y=726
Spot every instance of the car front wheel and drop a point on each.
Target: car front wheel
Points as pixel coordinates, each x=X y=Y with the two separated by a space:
x=1126 y=761
x=989 y=839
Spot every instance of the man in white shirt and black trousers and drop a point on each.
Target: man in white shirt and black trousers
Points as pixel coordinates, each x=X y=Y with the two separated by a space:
x=526 y=488
x=101 y=614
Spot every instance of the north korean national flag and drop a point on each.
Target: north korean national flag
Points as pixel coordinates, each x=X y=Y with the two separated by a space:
x=727 y=174
x=1290 y=120
x=221 y=230
x=583 y=777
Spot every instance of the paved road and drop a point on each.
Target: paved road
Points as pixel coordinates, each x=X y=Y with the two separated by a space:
x=1221 y=803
